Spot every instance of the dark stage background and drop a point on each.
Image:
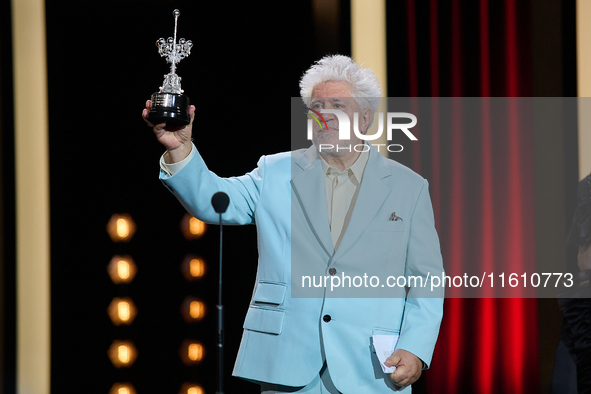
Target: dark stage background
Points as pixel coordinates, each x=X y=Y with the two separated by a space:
x=103 y=65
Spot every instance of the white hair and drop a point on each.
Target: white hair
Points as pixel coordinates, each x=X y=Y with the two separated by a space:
x=365 y=86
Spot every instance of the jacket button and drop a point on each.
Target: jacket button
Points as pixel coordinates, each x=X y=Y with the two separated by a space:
x=332 y=271
x=326 y=318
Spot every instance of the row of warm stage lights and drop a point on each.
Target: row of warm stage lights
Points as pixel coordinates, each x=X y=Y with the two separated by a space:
x=122 y=311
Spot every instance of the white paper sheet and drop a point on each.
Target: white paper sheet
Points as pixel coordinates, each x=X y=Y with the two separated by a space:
x=384 y=346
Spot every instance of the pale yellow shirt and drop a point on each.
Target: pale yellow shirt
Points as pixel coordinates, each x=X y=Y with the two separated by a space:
x=341 y=189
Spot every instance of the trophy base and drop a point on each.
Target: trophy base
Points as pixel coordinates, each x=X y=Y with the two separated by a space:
x=169 y=108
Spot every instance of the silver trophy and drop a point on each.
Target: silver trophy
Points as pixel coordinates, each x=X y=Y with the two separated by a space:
x=169 y=105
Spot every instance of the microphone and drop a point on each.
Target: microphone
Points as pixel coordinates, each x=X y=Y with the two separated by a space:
x=220 y=202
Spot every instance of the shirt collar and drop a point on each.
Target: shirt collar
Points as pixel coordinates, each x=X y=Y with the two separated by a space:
x=357 y=168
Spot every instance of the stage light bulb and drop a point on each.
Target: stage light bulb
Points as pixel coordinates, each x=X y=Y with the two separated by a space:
x=193 y=309
x=196 y=226
x=193 y=268
x=197 y=268
x=122 y=353
x=121 y=227
x=191 y=388
x=122 y=388
x=121 y=269
x=195 y=352
x=192 y=227
x=192 y=352
x=196 y=309
x=122 y=311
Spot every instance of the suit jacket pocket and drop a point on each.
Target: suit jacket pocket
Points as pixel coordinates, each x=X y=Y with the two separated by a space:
x=387 y=238
x=265 y=320
x=270 y=293
x=383 y=331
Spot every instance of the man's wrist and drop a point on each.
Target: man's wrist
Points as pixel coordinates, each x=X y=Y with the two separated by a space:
x=173 y=168
x=178 y=154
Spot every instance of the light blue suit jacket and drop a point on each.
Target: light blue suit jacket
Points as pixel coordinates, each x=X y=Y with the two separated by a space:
x=286 y=338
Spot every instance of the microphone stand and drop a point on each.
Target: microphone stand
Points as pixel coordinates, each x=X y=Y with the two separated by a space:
x=220 y=201
x=220 y=308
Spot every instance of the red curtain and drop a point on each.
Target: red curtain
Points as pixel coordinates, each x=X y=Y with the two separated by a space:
x=482 y=195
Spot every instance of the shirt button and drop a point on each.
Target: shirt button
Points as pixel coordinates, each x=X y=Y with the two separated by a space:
x=332 y=271
x=326 y=318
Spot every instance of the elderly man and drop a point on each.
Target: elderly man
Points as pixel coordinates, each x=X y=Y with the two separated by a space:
x=337 y=208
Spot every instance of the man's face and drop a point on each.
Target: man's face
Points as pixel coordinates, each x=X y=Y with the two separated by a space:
x=335 y=95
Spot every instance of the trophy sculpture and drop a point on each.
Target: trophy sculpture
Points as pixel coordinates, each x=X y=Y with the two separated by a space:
x=169 y=105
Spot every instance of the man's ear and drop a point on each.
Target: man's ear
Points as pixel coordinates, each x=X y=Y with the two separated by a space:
x=365 y=119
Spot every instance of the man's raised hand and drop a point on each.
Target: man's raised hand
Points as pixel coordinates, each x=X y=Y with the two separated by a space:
x=177 y=141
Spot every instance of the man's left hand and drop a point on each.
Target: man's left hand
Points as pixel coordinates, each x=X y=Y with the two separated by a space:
x=408 y=367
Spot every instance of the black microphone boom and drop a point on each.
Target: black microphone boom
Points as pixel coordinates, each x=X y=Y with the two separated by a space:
x=220 y=202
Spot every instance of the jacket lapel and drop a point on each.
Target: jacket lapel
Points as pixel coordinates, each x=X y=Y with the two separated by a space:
x=308 y=185
x=372 y=194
